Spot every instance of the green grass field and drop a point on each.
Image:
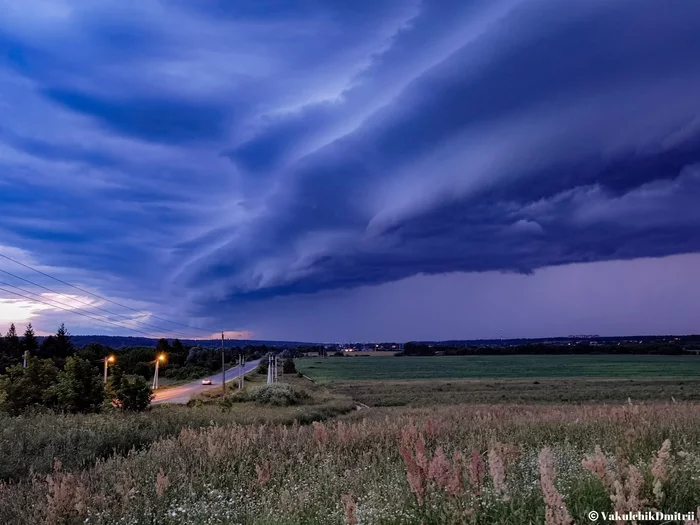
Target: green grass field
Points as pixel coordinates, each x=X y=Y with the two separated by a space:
x=514 y=366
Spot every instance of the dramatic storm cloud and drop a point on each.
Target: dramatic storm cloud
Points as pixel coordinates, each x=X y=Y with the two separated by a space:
x=277 y=167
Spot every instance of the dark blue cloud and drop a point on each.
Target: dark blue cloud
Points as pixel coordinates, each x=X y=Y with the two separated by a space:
x=239 y=151
x=170 y=121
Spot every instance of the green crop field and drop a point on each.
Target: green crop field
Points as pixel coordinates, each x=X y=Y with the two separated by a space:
x=514 y=366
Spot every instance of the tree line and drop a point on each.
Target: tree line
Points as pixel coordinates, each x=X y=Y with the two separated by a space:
x=652 y=347
x=56 y=376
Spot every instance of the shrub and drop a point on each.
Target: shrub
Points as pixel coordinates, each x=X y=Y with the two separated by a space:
x=262 y=366
x=25 y=388
x=134 y=393
x=278 y=394
x=288 y=366
x=79 y=388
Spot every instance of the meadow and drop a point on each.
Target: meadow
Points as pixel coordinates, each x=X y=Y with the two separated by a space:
x=432 y=451
x=478 y=464
x=432 y=392
x=511 y=366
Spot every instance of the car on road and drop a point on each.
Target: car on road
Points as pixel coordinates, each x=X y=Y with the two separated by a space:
x=206 y=381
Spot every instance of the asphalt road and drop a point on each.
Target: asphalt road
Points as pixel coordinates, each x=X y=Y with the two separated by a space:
x=183 y=393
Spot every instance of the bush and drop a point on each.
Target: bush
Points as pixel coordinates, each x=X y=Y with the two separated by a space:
x=288 y=367
x=133 y=393
x=262 y=367
x=79 y=387
x=278 y=394
x=25 y=388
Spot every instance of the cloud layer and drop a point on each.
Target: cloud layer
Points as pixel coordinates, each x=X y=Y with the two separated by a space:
x=201 y=158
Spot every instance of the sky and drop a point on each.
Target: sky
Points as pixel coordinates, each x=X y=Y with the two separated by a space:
x=350 y=171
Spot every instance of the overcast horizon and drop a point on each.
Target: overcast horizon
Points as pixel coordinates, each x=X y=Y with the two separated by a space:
x=365 y=171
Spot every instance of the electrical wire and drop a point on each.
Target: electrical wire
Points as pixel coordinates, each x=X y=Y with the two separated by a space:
x=71 y=310
x=128 y=319
x=101 y=297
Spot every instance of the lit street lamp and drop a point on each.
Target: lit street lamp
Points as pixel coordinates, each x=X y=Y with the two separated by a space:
x=159 y=359
x=108 y=360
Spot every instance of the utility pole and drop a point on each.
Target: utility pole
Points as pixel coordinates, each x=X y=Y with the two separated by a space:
x=155 y=377
x=159 y=358
x=26 y=355
x=108 y=359
x=223 y=367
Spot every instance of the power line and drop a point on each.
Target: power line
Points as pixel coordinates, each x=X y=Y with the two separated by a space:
x=92 y=306
x=100 y=297
x=70 y=310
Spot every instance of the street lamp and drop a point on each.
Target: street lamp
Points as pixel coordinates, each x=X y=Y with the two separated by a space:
x=159 y=359
x=108 y=360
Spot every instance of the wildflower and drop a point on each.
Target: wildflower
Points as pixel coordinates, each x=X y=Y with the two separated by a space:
x=556 y=512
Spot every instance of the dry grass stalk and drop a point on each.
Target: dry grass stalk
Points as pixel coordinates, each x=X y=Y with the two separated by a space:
x=556 y=512
x=598 y=464
x=263 y=473
x=416 y=466
x=66 y=498
x=660 y=470
x=162 y=483
x=497 y=469
x=477 y=471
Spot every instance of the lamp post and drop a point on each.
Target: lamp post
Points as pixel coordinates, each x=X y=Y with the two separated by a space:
x=159 y=359
x=108 y=360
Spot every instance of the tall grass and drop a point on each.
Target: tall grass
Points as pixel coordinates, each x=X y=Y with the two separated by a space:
x=30 y=444
x=483 y=464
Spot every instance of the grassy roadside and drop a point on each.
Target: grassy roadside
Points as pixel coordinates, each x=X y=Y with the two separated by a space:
x=30 y=444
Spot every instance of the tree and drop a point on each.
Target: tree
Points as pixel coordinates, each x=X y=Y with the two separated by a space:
x=288 y=367
x=63 y=343
x=48 y=347
x=134 y=393
x=25 y=388
x=163 y=346
x=114 y=381
x=29 y=341
x=10 y=351
x=79 y=388
x=12 y=343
